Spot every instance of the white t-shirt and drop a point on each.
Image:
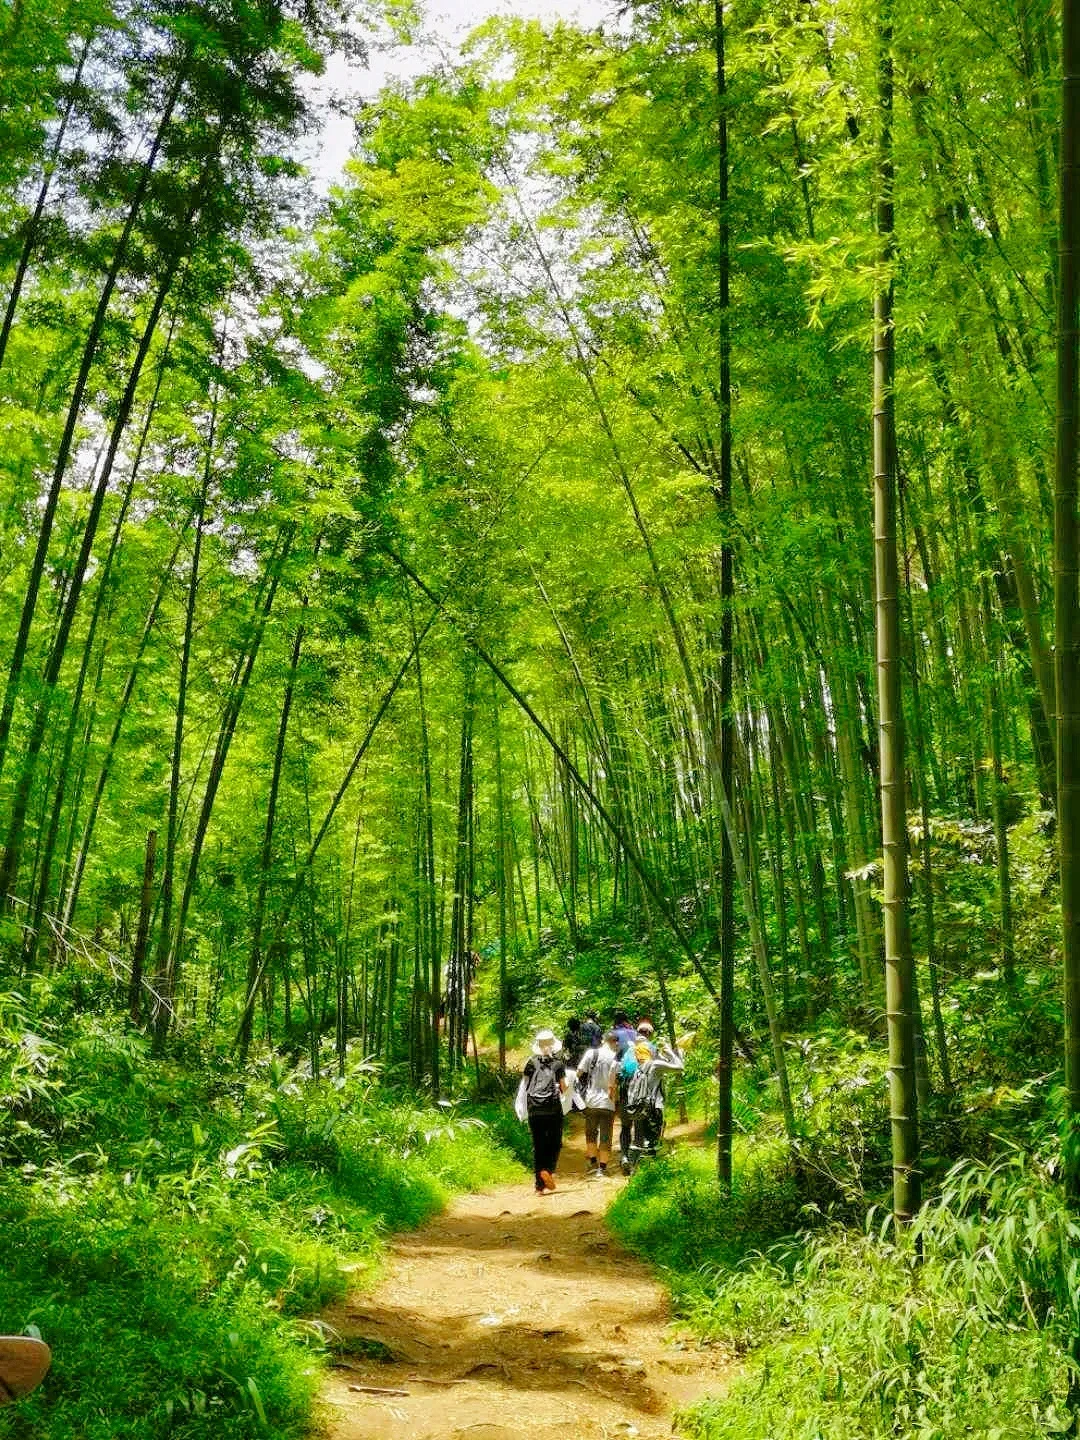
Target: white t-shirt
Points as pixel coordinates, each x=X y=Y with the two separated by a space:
x=597 y=1067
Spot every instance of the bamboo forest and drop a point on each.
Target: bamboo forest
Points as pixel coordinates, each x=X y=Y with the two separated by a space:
x=573 y=602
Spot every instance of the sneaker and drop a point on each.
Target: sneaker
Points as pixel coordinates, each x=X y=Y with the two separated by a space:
x=603 y=1172
x=625 y=1166
x=548 y=1179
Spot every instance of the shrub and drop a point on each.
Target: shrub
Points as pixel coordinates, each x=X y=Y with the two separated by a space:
x=854 y=1337
x=674 y=1213
x=175 y=1224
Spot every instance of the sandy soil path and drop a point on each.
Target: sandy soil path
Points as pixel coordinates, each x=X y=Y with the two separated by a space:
x=511 y=1313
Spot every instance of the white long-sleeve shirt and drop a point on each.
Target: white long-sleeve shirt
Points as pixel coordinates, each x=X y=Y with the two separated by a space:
x=668 y=1062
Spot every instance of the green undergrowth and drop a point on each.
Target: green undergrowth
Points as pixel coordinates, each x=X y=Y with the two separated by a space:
x=846 y=1333
x=174 y=1229
x=674 y=1214
x=505 y=1128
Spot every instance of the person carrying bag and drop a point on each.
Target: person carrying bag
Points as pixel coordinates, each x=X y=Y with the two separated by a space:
x=543 y=1097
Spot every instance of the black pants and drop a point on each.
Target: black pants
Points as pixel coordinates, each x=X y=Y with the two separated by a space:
x=626 y=1128
x=547 y=1141
x=648 y=1127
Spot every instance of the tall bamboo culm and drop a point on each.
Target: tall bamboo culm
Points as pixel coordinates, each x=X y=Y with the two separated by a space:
x=899 y=966
x=1066 y=565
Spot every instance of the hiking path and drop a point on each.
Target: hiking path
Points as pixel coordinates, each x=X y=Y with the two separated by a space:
x=512 y=1312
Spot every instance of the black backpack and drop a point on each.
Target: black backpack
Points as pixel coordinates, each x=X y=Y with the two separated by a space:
x=573 y=1045
x=542 y=1091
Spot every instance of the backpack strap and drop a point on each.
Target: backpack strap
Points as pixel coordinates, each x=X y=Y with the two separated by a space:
x=540 y=1064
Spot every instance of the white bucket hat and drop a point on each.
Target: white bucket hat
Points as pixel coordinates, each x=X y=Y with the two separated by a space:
x=546 y=1042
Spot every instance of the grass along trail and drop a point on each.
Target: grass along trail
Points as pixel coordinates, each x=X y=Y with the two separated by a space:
x=513 y=1312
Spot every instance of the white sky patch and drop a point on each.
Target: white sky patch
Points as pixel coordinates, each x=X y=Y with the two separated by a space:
x=446 y=24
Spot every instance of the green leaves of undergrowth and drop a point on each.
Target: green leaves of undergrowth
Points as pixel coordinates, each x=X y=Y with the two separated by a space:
x=675 y=1213
x=847 y=1334
x=175 y=1226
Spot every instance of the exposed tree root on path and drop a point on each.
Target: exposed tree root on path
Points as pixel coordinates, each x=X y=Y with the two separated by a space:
x=513 y=1312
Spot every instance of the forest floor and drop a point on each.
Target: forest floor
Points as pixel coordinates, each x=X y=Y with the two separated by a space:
x=513 y=1312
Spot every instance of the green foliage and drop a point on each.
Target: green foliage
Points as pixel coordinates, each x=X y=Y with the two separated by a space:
x=852 y=1336
x=154 y=1331
x=504 y=1127
x=495 y=350
x=608 y=967
x=178 y=1225
x=674 y=1212
x=842 y=1153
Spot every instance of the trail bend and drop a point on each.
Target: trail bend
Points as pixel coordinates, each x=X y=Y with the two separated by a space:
x=510 y=1313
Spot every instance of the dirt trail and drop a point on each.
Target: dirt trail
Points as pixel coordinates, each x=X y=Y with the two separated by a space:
x=512 y=1312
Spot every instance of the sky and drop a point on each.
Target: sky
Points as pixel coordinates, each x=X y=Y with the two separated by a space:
x=447 y=22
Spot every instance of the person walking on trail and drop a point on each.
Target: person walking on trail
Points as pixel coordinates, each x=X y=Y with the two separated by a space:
x=647 y=1034
x=575 y=1042
x=645 y=1099
x=627 y=1065
x=544 y=1081
x=593 y=1034
x=598 y=1080
x=624 y=1032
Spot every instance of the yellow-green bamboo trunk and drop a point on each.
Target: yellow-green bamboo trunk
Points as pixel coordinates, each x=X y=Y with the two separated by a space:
x=1066 y=561
x=899 y=968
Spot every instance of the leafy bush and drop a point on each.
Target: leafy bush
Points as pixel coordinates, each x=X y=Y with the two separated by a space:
x=842 y=1156
x=176 y=1224
x=675 y=1214
x=151 y=1333
x=507 y=1129
x=854 y=1337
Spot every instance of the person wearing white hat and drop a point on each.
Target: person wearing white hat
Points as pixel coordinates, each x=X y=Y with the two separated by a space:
x=544 y=1081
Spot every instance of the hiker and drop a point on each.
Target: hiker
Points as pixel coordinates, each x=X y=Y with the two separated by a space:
x=574 y=1042
x=645 y=1099
x=647 y=1034
x=624 y=1031
x=591 y=1027
x=597 y=1078
x=627 y=1065
x=544 y=1081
